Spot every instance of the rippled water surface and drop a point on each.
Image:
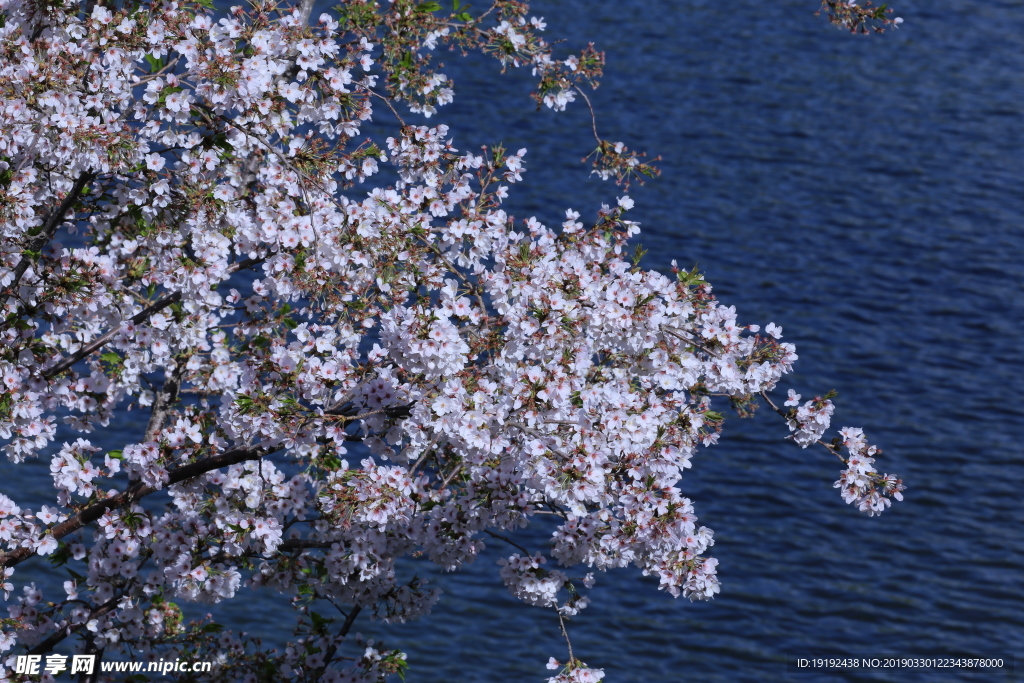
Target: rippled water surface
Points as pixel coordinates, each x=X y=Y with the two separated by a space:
x=865 y=194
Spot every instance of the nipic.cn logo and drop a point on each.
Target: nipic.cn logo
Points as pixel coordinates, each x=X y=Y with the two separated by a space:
x=86 y=664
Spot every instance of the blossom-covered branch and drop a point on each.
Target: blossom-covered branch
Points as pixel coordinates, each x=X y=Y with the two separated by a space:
x=193 y=221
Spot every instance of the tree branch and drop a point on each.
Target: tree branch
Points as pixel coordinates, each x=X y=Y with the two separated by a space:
x=49 y=227
x=305 y=9
x=91 y=649
x=529 y=432
x=59 y=635
x=349 y=620
x=136 y=319
x=305 y=544
x=332 y=650
x=565 y=634
x=100 y=342
x=691 y=342
x=138 y=491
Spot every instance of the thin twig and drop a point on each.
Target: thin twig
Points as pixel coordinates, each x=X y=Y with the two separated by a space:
x=509 y=541
x=387 y=102
x=593 y=116
x=450 y=477
x=426 y=452
x=565 y=634
x=691 y=342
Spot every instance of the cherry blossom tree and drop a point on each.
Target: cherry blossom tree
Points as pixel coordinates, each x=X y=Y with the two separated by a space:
x=351 y=358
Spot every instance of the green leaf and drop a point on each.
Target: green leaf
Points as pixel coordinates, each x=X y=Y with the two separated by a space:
x=169 y=90
x=212 y=628
x=61 y=555
x=154 y=63
x=638 y=254
x=319 y=622
x=428 y=7
x=219 y=140
x=463 y=16
x=330 y=462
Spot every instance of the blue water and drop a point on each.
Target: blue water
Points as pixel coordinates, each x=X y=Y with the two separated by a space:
x=865 y=194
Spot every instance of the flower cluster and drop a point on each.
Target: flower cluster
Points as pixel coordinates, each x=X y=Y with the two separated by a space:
x=195 y=221
x=530 y=582
x=810 y=420
x=859 y=483
x=574 y=671
x=856 y=18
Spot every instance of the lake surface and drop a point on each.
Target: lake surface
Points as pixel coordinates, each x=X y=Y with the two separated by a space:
x=864 y=193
